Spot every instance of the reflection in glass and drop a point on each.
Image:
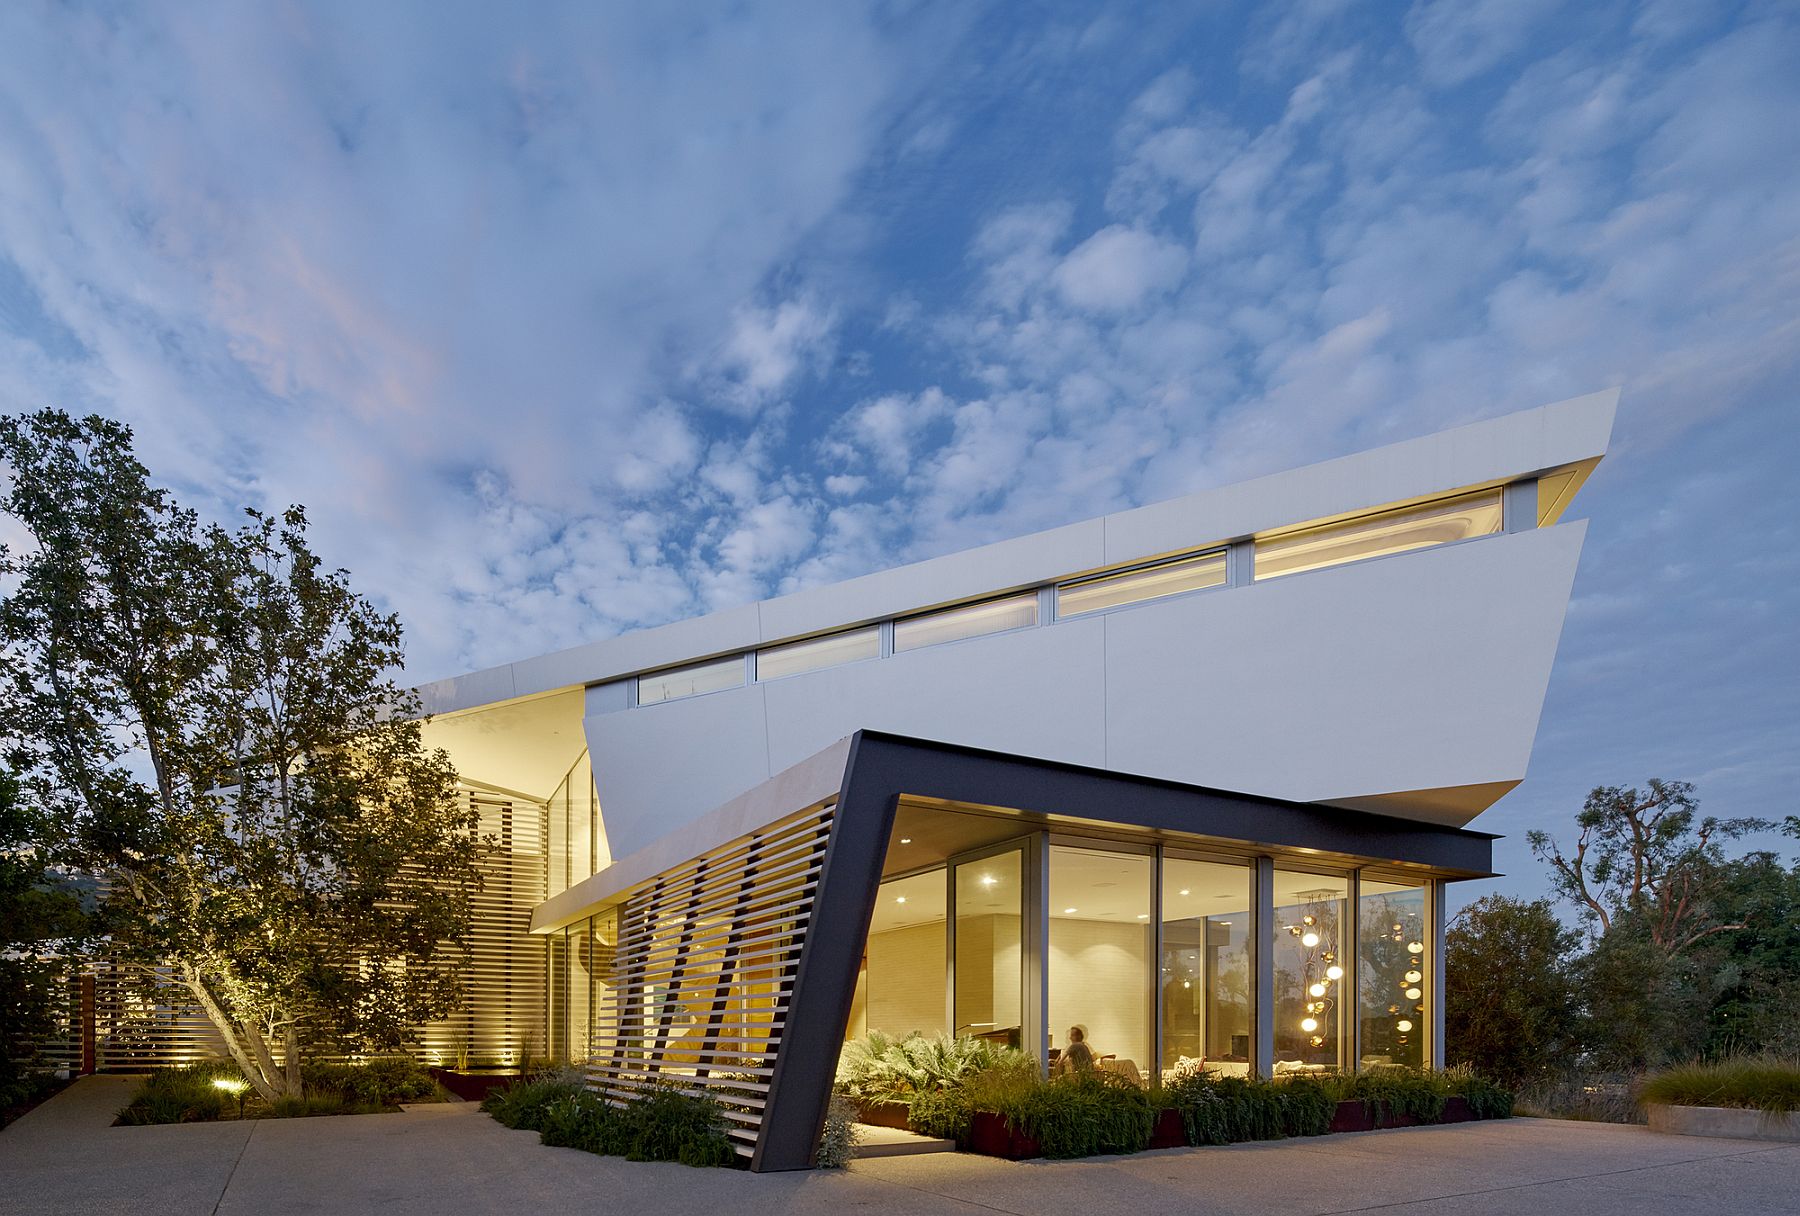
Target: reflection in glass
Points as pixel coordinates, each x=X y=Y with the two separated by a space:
x=1393 y=965
x=953 y=624
x=816 y=653
x=1101 y=941
x=901 y=988
x=691 y=680
x=1380 y=534
x=1206 y=965
x=1309 y=968
x=1135 y=586
x=990 y=976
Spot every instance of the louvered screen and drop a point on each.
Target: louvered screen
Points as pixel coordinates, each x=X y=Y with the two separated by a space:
x=503 y=1018
x=697 y=994
x=137 y=1028
x=505 y=987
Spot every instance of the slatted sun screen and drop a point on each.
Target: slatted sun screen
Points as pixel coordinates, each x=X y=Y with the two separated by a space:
x=502 y=1019
x=704 y=968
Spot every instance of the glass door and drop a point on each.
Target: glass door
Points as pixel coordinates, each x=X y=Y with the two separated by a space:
x=988 y=965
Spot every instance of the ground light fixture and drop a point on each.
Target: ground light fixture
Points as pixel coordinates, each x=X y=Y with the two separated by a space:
x=237 y=1087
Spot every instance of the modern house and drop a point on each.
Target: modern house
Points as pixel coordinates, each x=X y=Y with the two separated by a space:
x=1191 y=776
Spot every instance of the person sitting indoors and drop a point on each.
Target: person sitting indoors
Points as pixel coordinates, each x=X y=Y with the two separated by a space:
x=1078 y=1057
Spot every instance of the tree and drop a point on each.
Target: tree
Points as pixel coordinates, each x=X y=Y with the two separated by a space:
x=40 y=918
x=1510 y=1007
x=208 y=716
x=1638 y=854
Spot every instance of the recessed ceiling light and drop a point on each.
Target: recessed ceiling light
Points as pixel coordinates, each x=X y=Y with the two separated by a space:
x=1068 y=911
x=1183 y=891
x=906 y=840
x=988 y=880
x=900 y=899
x=1143 y=916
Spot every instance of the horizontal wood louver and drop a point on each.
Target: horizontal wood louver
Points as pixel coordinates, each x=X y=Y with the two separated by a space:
x=698 y=982
x=502 y=1019
x=138 y=1026
x=505 y=984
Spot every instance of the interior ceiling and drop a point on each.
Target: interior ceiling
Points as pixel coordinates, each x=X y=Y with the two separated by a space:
x=527 y=746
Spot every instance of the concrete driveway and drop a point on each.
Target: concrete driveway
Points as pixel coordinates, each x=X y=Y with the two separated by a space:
x=452 y=1159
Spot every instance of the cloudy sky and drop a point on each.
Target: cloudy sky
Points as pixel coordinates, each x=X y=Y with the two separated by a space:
x=564 y=320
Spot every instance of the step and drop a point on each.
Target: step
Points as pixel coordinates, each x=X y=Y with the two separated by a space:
x=896 y=1142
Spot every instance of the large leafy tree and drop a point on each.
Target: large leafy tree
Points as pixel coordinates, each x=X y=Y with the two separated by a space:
x=209 y=717
x=1640 y=855
x=41 y=921
x=1510 y=1006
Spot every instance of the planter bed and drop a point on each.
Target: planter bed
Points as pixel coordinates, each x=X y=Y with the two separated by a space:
x=472 y=1085
x=1724 y=1122
x=1355 y=1116
x=991 y=1135
x=883 y=1114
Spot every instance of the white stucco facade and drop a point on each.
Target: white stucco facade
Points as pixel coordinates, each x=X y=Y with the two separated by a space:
x=1409 y=683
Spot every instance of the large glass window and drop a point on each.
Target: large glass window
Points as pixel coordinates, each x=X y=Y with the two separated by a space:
x=1135 y=586
x=1206 y=975
x=691 y=680
x=990 y=958
x=1101 y=956
x=1309 y=964
x=953 y=624
x=901 y=989
x=811 y=655
x=1379 y=534
x=1392 y=957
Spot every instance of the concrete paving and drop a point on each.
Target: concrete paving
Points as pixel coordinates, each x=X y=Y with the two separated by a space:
x=63 y=1157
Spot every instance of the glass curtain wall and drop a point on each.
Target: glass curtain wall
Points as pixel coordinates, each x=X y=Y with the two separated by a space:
x=1102 y=946
x=989 y=985
x=900 y=989
x=1311 y=1030
x=1392 y=951
x=1206 y=976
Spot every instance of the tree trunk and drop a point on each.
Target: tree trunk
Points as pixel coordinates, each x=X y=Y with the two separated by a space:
x=262 y=1079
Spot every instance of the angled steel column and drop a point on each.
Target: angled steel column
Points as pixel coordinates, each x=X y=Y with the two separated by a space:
x=824 y=984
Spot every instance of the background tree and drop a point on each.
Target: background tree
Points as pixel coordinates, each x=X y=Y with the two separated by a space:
x=209 y=719
x=1638 y=854
x=41 y=918
x=1510 y=1006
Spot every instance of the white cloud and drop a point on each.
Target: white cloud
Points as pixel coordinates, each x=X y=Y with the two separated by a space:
x=1118 y=267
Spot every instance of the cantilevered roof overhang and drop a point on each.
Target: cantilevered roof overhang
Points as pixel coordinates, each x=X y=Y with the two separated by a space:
x=876 y=769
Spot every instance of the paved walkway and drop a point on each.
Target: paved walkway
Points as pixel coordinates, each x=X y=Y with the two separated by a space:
x=452 y=1159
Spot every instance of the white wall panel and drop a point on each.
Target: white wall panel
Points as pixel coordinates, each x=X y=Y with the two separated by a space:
x=662 y=766
x=1037 y=692
x=1411 y=672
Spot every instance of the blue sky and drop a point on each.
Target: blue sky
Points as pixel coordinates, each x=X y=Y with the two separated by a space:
x=564 y=320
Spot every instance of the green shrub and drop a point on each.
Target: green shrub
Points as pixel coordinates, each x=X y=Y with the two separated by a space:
x=881 y=1068
x=943 y=1114
x=309 y=1106
x=1084 y=1115
x=1753 y=1082
x=521 y=1105
x=182 y=1095
x=1486 y=1099
x=383 y=1082
x=1393 y=1093
x=1230 y=1110
x=838 y=1138
x=663 y=1124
